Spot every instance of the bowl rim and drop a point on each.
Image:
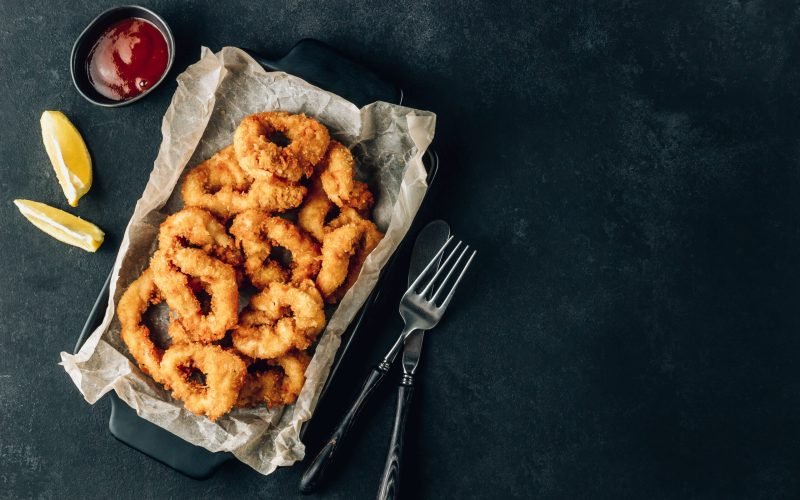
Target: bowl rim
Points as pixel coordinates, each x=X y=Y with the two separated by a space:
x=164 y=29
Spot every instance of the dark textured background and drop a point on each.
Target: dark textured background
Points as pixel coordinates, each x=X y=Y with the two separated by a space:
x=629 y=173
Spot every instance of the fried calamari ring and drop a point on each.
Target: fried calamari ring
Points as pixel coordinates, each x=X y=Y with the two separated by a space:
x=194 y=227
x=337 y=170
x=274 y=195
x=218 y=184
x=177 y=272
x=333 y=186
x=257 y=385
x=347 y=243
x=257 y=233
x=280 y=318
x=279 y=384
x=224 y=374
x=338 y=248
x=315 y=209
x=259 y=155
x=139 y=296
x=294 y=366
x=221 y=186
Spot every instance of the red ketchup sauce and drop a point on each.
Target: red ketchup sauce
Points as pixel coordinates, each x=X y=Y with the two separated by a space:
x=128 y=58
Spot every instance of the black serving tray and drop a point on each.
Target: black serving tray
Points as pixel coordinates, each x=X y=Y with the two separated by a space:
x=325 y=67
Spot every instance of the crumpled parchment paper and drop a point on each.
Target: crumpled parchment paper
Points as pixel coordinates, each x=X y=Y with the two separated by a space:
x=213 y=95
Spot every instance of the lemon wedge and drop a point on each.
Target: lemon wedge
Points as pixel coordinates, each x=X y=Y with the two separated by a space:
x=68 y=154
x=61 y=225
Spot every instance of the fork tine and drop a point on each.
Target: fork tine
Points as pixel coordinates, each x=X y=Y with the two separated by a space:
x=430 y=265
x=441 y=269
x=442 y=285
x=455 y=285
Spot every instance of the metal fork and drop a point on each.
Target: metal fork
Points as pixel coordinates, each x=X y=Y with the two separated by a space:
x=421 y=308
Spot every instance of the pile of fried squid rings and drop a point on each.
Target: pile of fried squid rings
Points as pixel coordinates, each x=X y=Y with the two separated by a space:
x=229 y=236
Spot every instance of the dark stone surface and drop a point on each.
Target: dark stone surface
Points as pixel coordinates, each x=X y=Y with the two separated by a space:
x=629 y=173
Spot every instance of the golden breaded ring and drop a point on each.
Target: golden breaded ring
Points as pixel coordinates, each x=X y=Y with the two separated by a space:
x=257 y=386
x=315 y=208
x=217 y=184
x=177 y=273
x=273 y=195
x=280 y=384
x=338 y=248
x=194 y=227
x=347 y=243
x=220 y=186
x=132 y=305
x=280 y=318
x=294 y=366
x=257 y=233
x=260 y=156
x=224 y=374
x=337 y=170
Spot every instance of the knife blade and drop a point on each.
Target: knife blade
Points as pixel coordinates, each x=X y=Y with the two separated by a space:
x=429 y=241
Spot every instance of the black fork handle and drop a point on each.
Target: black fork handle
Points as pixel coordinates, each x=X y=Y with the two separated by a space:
x=315 y=473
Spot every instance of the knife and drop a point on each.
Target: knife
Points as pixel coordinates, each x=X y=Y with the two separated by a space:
x=428 y=242
x=431 y=238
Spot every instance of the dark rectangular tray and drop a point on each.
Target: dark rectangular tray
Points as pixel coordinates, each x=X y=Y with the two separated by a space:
x=326 y=68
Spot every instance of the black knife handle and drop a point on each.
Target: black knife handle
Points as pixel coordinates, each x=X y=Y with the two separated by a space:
x=315 y=472
x=390 y=480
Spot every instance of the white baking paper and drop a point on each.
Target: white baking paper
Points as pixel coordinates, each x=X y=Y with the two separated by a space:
x=213 y=95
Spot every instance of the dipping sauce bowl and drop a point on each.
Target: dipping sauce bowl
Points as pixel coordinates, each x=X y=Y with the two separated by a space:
x=121 y=56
